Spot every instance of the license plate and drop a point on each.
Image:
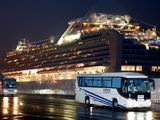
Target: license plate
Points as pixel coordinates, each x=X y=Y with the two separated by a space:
x=140 y=96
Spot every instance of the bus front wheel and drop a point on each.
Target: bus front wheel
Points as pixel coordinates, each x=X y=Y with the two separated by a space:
x=87 y=100
x=115 y=103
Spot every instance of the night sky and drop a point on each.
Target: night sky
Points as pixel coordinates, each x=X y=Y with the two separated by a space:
x=39 y=19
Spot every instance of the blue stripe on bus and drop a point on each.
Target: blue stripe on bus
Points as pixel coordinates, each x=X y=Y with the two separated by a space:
x=101 y=99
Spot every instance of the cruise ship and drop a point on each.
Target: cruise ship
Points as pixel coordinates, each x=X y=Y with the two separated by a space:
x=95 y=44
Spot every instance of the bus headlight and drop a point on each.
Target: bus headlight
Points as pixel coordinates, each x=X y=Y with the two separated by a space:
x=5 y=91
x=15 y=91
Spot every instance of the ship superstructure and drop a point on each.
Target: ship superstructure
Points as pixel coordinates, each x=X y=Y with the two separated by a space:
x=97 y=22
x=95 y=44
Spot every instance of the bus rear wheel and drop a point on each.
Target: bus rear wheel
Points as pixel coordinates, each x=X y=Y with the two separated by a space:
x=87 y=101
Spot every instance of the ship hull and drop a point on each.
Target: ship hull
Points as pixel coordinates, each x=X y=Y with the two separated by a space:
x=38 y=81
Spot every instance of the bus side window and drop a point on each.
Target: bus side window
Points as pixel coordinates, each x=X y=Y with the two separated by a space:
x=88 y=82
x=116 y=83
x=84 y=83
x=106 y=82
x=80 y=81
x=97 y=82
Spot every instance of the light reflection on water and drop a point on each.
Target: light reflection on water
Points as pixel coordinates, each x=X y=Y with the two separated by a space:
x=149 y=115
x=10 y=105
x=15 y=105
x=59 y=108
x=5 y=105
x=69 y=112
x=103 y=113
x=140 y=115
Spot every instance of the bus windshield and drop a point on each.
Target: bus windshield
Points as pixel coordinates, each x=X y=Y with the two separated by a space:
x=136 y=85
x=10 y=83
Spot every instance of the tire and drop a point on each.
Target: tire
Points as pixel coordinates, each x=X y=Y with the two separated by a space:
x=115 y=104
x=87 y=101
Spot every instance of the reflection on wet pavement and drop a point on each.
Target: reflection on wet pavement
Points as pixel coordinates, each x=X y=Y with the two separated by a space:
x=10 y=106
x=61 y=108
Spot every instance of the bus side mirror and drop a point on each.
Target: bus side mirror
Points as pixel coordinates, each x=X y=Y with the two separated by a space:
x=17 y=84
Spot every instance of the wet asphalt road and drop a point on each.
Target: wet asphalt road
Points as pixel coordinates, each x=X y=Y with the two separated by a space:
x=38 y=107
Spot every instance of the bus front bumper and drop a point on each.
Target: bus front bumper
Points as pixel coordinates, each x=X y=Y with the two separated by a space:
x=9 y=91
x=139 y=103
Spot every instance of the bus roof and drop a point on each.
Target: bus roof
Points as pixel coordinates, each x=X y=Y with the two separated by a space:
x=11 y=78
x=117 y=74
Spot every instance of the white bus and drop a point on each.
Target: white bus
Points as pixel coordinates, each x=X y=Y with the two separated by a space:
x=8 y=86
x=117 y=90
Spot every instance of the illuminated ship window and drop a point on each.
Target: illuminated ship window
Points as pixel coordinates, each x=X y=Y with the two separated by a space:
x=156 y=68
x=80 y=65
x=80 y=43
x=31 y=57
x=78 y=52
x=64 y=54
x=23 y=59
x=138 y=68
x=15 y=60
x=9 y=61
x=131 y=68
x=17 y=63
x=36 y=60
x=127 y=68
x=56 y=56
x=93 y=63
